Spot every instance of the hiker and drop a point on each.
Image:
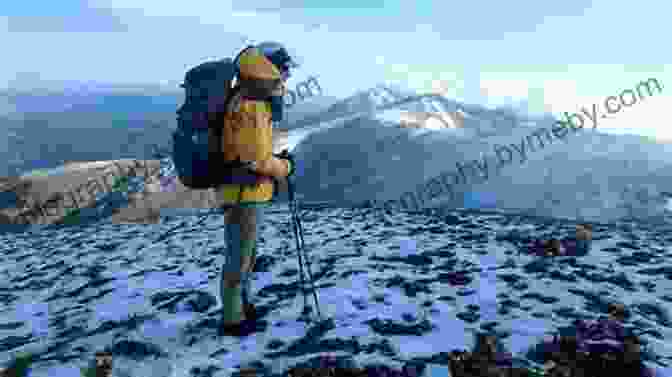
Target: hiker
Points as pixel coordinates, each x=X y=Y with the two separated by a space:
x=255 y=103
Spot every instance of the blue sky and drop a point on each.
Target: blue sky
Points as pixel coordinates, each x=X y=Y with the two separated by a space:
x=559 y=56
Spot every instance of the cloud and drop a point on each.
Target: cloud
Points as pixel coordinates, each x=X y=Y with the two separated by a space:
x=204 y=11
x=268 y=5
x=88 y=20
x=155 y=50
x=164 y=39
x=517 y=89
x=562 y=95
x=452 y=21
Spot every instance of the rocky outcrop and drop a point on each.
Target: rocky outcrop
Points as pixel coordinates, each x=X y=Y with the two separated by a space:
x=48 y=199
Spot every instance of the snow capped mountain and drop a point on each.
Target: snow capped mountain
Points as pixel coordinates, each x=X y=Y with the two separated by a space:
x=427 y=111
x=303 y=109
x=361 y=102
x=587 y=175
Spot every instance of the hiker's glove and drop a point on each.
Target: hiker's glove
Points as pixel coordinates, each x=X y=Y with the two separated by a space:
x=290 y=161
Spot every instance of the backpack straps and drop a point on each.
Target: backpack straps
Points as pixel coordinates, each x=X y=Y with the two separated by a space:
x=216 y=119
x=236 y=61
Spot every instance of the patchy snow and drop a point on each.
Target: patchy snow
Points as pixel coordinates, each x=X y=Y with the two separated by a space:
x=101 y=285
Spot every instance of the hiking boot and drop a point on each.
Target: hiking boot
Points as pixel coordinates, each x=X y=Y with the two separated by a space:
x=250 y=312
x=242 y=329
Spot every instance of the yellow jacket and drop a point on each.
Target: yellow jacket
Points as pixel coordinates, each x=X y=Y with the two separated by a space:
x=247 y=133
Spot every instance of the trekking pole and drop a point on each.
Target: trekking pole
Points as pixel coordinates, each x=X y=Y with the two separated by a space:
x=299 y=227
x=298 y=234
x=298 y=250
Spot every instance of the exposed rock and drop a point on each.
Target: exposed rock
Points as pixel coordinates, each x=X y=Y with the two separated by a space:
x=47 y=199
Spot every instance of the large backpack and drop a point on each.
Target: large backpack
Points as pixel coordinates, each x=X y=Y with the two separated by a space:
x=196 y=151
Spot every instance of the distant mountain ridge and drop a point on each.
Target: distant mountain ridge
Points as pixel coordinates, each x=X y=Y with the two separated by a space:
x=355 y=149
x=132 y=119
x=97 y=101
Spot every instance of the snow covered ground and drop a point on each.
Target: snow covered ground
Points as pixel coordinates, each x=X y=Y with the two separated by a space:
x=391 y=288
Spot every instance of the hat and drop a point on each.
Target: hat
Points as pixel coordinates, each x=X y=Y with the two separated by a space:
x=278 y=55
